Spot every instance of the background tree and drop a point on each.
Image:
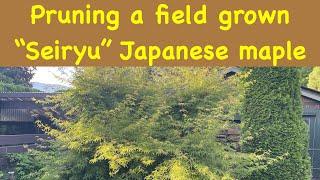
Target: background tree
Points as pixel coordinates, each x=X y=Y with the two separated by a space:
x=273 y=123
x=314 y=78
x=17 y=75
x=13 y=79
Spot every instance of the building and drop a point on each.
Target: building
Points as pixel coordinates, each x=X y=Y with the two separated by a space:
x=311 y=115
x=17 y=116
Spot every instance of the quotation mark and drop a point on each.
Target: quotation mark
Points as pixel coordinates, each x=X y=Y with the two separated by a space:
x=106 y=42
x=20 y=42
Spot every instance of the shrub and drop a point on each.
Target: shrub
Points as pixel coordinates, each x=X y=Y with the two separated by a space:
x=273 y=123
x=139 y=123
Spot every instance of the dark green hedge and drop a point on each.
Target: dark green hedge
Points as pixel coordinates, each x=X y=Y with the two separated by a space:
x=273 y=123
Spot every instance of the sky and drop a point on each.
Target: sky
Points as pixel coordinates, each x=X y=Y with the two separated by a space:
x=50 y=75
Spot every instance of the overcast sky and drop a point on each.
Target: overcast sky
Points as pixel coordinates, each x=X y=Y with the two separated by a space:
x=49 y=75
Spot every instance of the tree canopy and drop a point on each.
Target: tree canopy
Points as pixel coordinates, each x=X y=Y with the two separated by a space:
x=144 y=123
x=13 y=79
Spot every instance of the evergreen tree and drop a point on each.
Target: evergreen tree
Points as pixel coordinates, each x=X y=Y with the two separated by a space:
x=16 y=79
x=273 y=123
x=17 y=75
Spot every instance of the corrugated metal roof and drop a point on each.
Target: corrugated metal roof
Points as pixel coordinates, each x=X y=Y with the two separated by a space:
x=310 y=93
x=23 y=96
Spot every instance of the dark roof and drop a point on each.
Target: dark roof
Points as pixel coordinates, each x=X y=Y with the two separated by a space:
x=23 y=96
x=310 y=93
x=231 y=71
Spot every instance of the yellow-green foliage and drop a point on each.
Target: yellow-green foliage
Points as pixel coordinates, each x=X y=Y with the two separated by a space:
x=136 y=123
x=314 y=78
